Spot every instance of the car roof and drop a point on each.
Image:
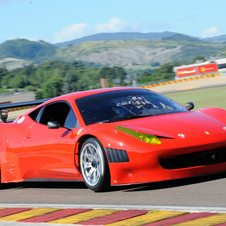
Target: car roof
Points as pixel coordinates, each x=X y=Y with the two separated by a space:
x=79 y=94
x=75 y=95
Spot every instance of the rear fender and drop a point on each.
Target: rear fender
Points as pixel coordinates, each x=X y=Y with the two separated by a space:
x=9 y=163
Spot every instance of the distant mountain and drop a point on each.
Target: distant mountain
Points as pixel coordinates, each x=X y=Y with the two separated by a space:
x=221 y=38
x=181 y=37
x=139 y=52
x=116 y=36
x=130 y=52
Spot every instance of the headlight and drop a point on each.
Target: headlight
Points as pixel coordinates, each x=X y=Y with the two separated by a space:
x=147 y=138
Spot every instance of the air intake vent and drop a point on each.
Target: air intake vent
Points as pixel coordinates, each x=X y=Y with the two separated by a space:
x=194 y=159
x=116 y=155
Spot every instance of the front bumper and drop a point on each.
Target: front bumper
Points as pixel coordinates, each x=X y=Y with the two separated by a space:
x=146 y=166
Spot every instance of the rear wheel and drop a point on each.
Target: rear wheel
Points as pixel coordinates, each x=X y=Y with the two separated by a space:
x=94 y=166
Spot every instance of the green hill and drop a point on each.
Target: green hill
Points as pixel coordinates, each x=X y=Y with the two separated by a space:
x=138 y=52
x=28 y=50
x=175 y=48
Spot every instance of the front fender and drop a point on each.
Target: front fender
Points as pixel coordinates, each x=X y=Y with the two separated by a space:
x=120 y=172
x=217 y=113
x=105 y=133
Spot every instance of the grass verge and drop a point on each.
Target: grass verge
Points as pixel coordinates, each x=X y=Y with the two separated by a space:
x=202 y=98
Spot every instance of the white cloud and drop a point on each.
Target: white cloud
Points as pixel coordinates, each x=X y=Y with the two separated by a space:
x=80 y=30
x=70 y=32
x=116 y=25
x=210 y=32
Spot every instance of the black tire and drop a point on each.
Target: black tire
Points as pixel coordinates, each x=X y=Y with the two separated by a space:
x=94 y=165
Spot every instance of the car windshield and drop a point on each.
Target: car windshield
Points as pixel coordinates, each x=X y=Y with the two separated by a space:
x=124 y=105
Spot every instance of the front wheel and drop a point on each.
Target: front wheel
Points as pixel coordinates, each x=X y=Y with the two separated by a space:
x=94 y=166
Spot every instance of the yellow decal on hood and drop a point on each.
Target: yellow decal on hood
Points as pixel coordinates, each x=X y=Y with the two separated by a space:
x=79 y=132
x=147 y=138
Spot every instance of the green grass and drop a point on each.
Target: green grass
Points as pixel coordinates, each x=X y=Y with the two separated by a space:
x=2 y=90
x=135 y=68
x=202 y=98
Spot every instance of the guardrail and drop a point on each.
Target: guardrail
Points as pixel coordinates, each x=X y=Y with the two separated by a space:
x=21 y=105
x=5 y=108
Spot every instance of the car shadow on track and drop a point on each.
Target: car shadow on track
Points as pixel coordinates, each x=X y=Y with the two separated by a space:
x=170 y=183
x=123 y=188
x=50 y=185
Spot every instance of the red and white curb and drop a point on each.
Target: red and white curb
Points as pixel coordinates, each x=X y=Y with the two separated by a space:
x=112 y=215
x=181 y=80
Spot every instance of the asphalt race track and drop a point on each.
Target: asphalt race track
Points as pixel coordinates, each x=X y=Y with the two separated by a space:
x=204 y=191
x=204 y=194
x=192 y=201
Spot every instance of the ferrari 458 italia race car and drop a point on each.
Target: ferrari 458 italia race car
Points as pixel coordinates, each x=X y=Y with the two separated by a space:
x=113 y=136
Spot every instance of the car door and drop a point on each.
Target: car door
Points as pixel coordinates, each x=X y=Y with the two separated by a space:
x=52 y=151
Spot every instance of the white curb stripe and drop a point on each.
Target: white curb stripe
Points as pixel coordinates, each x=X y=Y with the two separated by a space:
x=123 y=207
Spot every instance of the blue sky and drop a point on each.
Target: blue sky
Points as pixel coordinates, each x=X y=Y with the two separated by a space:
x=57 y=21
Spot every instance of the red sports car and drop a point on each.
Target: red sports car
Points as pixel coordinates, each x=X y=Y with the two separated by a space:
x=113 y=136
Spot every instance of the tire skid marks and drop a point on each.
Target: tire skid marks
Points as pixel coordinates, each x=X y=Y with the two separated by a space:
x=111 y=217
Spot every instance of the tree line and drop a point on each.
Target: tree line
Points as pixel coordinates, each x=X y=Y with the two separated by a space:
x=55 y=78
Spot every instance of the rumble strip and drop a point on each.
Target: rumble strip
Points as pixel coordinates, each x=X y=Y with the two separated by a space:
x=115 y=216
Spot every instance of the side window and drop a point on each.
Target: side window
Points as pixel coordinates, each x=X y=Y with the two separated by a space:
x=60 y=112
x=34 y=114
x=55 y=112
x=71 y=120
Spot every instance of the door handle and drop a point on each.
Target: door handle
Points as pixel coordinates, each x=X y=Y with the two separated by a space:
x=27 y=135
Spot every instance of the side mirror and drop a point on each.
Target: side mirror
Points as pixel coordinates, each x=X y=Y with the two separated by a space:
x=4 y=115
x=53 y=125
x=189 y=106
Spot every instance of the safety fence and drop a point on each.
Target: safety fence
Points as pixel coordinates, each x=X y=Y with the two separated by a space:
x=21 y=105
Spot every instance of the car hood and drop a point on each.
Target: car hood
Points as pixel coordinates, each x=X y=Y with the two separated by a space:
x=186 y=124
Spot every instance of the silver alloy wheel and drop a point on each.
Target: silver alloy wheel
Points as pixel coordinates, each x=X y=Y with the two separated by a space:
x=91 y=162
